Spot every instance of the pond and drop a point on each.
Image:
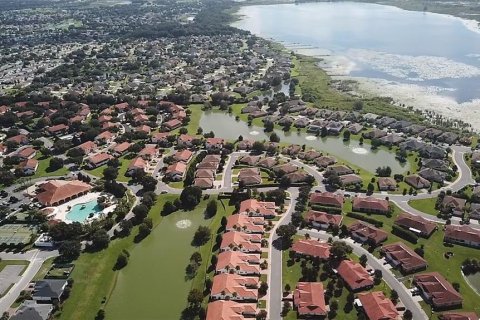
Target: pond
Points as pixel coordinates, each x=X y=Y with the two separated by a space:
x=225 y=126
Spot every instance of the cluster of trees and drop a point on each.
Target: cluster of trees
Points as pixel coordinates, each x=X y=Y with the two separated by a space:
x=470 y=266
x=384 y=171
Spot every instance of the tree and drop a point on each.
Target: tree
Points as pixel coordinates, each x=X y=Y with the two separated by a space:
x=195 y=297
x=122 y=260
x=190 y=197
x=286 y=232
x=100 y=239
x=201 y=236
x=274 y=138
x=407 y=315
x=145 y=228
x=258 y=147
x=149 y=183
x=358 y=105
x=110 y=173
x=70 y=250
x=100 y=315
x=140 y=211
x=211 y=209
x=340 y=250
x=394 y=296
x=55 y=164
x=363 y=260
x=346 y=135
x=168 y=208
x=262 y=290
x=262 y=315
x=370 y=188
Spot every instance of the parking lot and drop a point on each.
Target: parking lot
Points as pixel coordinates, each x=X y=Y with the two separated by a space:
x=8 y=276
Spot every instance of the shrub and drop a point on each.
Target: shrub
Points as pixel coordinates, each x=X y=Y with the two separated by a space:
x=360 y=216
x=405 y=234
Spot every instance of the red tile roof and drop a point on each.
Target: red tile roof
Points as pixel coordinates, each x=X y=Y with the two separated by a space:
x=87 y=146
x=368 y=231
x=309 y=299
x=255 y=207
x=230 y=310
x=137 y=163
x=324 y=218
x=408 y=259
x=313 y=248
x=377 y=306
x=465 y=234
x=370 y=204
x=243 y=263
x=183 y=155
x=241 y=241
x=100 y=157
x=458 y=316
x=244 y=287
x=177 y=167
x=419 y=223
x=355 y=275
x=55 y=191
x=327 y=199
x=245 y=223
x=440 y=291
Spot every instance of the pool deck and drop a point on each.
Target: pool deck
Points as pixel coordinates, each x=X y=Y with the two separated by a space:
x=61 y=211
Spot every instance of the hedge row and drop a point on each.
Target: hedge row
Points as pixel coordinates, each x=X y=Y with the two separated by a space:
x=362 y=217
x=331 y=210
x=405 y=234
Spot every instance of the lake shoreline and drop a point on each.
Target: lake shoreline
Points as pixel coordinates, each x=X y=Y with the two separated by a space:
x=427 y=99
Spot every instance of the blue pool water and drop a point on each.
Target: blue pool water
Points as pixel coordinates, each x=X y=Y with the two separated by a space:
x=77 y=214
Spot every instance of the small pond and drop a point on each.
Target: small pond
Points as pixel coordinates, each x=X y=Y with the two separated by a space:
x=225 y=126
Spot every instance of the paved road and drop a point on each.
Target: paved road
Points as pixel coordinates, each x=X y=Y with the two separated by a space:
x=388 y=276
x=275 y=272
x=36 y=258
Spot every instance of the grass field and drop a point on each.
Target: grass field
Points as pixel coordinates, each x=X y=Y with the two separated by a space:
x=122 y=169
x=153 y=285
x=94 y=276
x=424 y=205
x=43 y=169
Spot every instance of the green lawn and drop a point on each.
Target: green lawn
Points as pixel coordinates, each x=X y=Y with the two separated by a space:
x=44 y=269
x=124 y=163
x=93 y=276
x=43 y=169
x=195 y=116
x=474 y=280
x=424 y=205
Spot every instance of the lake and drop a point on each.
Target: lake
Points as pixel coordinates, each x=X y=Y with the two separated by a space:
x=225 y=126
x=437 y=53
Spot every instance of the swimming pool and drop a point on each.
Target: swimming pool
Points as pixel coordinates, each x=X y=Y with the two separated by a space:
x=81 y=212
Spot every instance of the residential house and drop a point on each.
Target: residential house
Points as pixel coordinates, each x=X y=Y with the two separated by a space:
x=377 y=306
x=49 y=290
x=26 y=153
x=249 y=160
x=29 y=166
x=230 y=310
x=309 y=299
x=462 y=235
x=137 y=164
x=120 y=149
x=416 y=224
x=20 y=139
x=401 y=256
x=392 y=139
x=176 y=171
x=255 y=208
x=106 y=137
x=327 y=199
x=433 y=175
x=312 y=248
x=437 y=164
x=267 y=162
x=458 y=315
x=283 y=169
x=249 y=176
x=437 y=291
x=185 y=141
x=375 y=134
x=340 y=169
x=55 y=192
x=453 y=205
x=355 y=276
x=204 y=183
x=245 y=144
x=243 y=242
x=184 y=155
x=365 y=232
x=57 y=129
x=323 y=220
x=417 y=182
x=98 y=160
x=31 y=310
x=87 y=147
x=370 y=205
x=235 y=262
x=355 y=128
x=244 y=223
x=386 y=184
x=161 y=138
x=350 y=179
x=309 y=155
x=324 y=161
x=214 y=144
x=149 y=152
x=234 y=287
x=172 y=124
